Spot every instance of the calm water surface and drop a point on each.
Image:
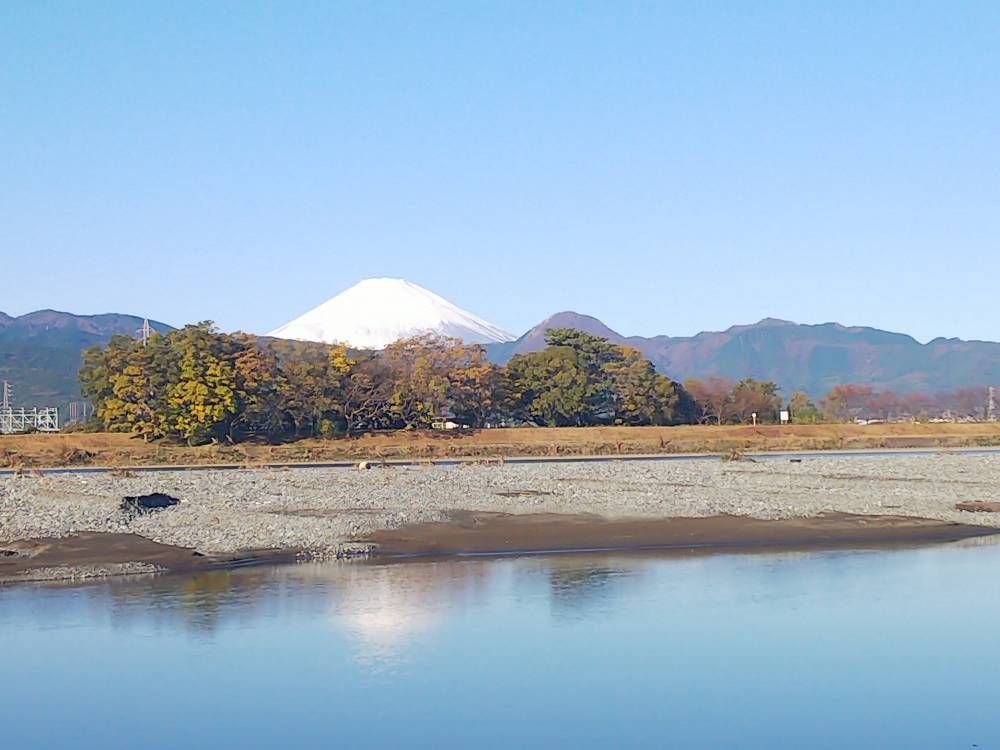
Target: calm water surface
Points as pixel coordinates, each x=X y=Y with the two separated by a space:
x=888 y=649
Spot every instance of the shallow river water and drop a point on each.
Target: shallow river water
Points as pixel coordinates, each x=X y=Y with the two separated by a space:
x=824 y=649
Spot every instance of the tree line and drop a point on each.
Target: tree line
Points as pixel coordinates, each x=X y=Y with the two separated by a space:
x=854 y=401
x=199 y=385
x=725 y=401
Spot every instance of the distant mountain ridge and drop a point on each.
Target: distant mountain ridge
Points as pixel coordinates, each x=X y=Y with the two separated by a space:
x=813 y=358
x=534 y=340
x=41 y=352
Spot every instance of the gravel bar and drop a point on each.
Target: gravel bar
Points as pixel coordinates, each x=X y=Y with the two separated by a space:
x=317 y=510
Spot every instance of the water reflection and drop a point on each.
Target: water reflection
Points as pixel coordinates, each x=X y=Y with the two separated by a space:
x=601 y=650
x=581 y=588
x=385 y=609
x=386 y=605
x=382 y=609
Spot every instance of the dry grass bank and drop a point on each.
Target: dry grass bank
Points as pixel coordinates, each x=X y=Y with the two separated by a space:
x=104 y=449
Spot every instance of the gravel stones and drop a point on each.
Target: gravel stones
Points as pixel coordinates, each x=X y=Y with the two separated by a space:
x=322 y=509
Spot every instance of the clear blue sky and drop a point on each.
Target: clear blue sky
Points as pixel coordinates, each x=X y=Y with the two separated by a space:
x=667 y=167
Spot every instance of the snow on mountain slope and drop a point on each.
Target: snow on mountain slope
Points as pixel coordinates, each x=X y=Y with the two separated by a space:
x=376 y=312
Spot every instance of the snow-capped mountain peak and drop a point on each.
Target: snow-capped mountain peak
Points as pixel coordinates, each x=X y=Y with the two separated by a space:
x=376 y=312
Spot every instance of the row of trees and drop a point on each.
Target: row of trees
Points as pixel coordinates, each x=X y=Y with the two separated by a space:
x=198 y=385
x=725 y=401
x=850 y=402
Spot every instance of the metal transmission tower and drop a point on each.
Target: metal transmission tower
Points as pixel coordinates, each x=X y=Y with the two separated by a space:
x=145 y=332
x=991 y=404
x=25 y=420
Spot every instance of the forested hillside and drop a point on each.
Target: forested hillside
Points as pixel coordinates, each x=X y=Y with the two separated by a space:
x=41 y=352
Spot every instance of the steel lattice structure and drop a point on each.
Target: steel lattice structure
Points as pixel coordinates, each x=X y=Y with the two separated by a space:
x=28 y=420
x=25 y=420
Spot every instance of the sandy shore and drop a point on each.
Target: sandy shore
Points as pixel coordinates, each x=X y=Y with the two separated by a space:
x=231 y=515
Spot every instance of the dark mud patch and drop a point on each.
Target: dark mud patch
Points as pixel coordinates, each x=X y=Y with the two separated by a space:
x=99 y=549
x=470 y=532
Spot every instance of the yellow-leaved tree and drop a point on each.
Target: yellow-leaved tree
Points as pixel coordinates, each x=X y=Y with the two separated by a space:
x=203 y=399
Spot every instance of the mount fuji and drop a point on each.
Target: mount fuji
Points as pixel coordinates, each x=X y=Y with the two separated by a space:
x=376 y=312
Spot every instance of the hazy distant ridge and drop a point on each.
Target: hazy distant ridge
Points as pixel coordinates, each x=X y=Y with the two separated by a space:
x=812 y=358
x=41 y=352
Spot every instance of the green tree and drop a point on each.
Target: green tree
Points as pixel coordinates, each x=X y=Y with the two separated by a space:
x=642 y=396
x=551 y=387
x=582 y=379
x=802 y=409
x=260 y=388
x=311 y=389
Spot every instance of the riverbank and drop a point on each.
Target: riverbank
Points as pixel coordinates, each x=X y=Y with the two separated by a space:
x=117 y=450
x=228 y=516
x=96 y=554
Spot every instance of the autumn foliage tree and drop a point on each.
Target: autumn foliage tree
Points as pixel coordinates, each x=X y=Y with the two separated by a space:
x=479 y=391
x=714 y=398
x=756 y=400
x=721 y=400
x=197 y=385
x=420 y=369
x=847 y=402
x=202 y=401
x=183 y=384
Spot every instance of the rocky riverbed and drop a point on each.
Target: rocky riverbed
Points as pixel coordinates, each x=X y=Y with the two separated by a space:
x=316 y=510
